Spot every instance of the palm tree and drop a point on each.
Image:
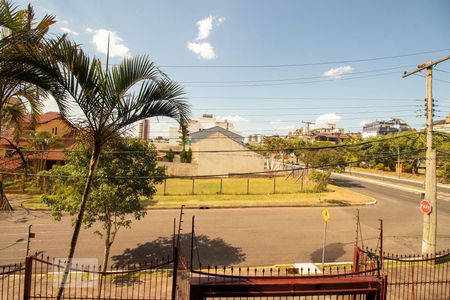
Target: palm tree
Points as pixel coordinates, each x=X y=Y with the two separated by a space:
x=17 y=95
x=20 y=84
x=110 y=101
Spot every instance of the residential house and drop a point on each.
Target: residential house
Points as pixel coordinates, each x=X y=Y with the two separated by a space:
x=327 y=133
x=210 y=154
x=51 y=122
x=216 y=151
x=442 y=125
x=206 y=121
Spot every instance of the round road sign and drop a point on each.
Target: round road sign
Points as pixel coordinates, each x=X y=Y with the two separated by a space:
x=425 y=207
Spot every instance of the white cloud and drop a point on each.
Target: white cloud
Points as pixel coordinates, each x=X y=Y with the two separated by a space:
x=203 y=50
x=116 y=46
x=233 y=119
x=283 y=127
x=363 y=123
x=329 y=118
x=68 y=30
x=337 y=73
x=205 y=26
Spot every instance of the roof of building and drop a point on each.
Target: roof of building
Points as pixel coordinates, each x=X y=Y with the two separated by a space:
x=392 y=121
x=47 y=117
x=10 y=163
x=202 y=134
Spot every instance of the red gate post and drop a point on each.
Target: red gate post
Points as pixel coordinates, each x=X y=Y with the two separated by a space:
x=27 y=280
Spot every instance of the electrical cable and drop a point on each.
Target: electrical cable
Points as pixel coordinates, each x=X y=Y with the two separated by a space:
x=288 y=79
x=309 y=64
x=291 y=83
x=255 y=150
x=218 y=175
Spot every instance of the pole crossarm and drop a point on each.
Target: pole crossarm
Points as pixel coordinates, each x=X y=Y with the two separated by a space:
x=425 y=65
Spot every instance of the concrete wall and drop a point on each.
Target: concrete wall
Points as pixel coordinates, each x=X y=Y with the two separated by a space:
x=179 y=169
x=218 y=163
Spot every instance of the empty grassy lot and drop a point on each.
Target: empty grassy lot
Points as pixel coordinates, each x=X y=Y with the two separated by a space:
x=206 y=193
x=234 y=186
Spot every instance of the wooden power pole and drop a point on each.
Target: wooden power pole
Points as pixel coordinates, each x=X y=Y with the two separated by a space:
x=430 y=219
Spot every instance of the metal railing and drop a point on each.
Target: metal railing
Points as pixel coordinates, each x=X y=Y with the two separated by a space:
x=417 y=276
x=152 y=280
x=11 y=281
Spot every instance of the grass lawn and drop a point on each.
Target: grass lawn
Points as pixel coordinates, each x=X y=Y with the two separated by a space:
x=409 y=176
x=233 y=186
x=234 y=194
x=336 y=196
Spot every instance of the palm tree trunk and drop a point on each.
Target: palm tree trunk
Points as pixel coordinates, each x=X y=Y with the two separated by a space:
x=76 y=230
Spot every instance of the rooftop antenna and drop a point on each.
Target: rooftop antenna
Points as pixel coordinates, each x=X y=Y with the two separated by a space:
x=107 y=53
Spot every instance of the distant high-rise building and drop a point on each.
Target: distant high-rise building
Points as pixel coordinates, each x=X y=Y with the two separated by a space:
x=144 y=129
x=376 y=128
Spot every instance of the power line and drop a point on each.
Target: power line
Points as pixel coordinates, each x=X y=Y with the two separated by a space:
x=222 y=175
x=307 y=64
x=290 y=79
x=292 y=83
x=303 y=98
x=443 y=71
x=245 y=150
x=291 y=121
x=302 y=108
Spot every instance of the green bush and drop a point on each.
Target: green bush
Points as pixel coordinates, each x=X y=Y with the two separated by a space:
x=170 y=155
x=444 y=173
x=379 y=166
x=320 y=180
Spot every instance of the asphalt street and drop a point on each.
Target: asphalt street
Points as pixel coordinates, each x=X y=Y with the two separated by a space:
x=250 y=236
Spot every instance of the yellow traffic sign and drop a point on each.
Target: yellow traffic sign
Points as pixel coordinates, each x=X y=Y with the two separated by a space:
x=325 y=215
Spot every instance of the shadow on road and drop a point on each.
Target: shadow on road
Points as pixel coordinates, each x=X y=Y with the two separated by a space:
x=332 y=253
x=210 y=251
x=345 y=183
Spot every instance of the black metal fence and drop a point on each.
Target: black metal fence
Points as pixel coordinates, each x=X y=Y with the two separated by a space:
x=417 y=276
x=11 y=281
x=402 y=277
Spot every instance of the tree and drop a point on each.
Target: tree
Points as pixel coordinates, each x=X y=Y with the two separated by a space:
x=189 y=156
x=126 y=172
x=111 y=100
x=21 y=82
x=327 y=158
x=39 y=144
x=18 y=94
x=186 y=156
x=170 y=155
x=320 y=179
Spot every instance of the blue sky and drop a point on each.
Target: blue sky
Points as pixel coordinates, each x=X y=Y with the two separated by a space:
x=201 y=35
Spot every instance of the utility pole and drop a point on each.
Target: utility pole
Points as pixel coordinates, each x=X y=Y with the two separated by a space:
x=429 y=220
x=307 y=126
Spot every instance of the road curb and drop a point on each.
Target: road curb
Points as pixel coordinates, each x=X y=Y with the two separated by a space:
x=370 y=203
x=399 y=187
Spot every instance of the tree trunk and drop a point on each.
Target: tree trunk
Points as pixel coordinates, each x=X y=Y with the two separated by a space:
x=105 y=258
x=76 y=230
